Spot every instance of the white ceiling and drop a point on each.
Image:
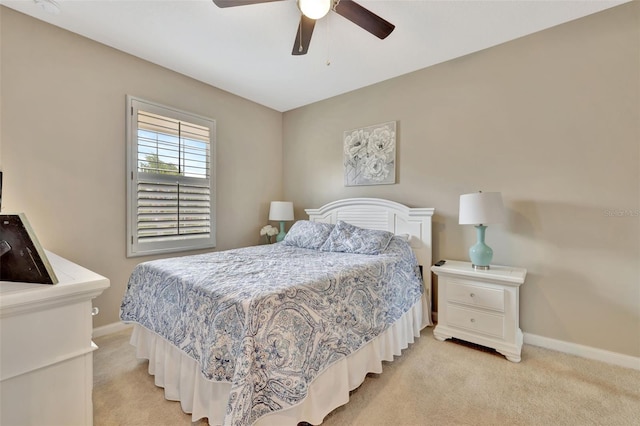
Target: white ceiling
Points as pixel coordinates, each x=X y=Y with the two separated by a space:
x=247 y=50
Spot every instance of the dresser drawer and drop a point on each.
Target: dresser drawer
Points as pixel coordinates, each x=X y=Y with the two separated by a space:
x=469 y=294
x=470 y=319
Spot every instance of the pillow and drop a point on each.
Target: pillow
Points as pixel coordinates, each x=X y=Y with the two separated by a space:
x=348 y=238
x=307 y=234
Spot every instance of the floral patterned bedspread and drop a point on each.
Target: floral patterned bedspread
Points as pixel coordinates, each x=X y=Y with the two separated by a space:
x=269 y=319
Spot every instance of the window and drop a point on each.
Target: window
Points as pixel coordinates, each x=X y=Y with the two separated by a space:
x=171 y=191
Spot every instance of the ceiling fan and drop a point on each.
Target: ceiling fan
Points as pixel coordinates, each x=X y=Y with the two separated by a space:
x=313 y=10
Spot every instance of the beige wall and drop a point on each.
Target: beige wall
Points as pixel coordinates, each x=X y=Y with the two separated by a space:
x=63 y=146
x=552 y=122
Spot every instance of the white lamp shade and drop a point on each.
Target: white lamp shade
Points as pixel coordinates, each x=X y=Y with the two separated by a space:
x=481 y=208
x=281 y=210
x=314 y=9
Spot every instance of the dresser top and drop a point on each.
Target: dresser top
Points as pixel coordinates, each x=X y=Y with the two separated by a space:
x=74 y=282
x=507 y=274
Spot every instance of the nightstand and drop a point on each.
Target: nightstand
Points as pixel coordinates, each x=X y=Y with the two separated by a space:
x=481 y=307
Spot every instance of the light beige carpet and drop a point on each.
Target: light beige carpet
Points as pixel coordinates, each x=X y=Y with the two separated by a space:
x=432 y=383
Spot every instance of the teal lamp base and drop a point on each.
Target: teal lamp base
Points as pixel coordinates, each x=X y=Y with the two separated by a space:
x=281 y=235
x=480 y=254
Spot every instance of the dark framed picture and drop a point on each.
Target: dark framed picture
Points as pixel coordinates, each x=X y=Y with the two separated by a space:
x=22 y=259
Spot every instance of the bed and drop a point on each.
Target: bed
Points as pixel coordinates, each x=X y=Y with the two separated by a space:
x=280 y=334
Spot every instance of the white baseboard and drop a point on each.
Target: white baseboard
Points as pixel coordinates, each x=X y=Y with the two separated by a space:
x=110 y=328
x=588 y=352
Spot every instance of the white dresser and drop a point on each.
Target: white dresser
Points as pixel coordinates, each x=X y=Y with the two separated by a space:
x=46 y=352
x=481 y=307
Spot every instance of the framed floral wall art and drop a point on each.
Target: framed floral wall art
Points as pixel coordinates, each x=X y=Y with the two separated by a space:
x=370 y=155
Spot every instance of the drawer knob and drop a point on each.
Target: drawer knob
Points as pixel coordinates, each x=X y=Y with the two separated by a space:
x=95 y=311
x=472 y=295
x=473 y=320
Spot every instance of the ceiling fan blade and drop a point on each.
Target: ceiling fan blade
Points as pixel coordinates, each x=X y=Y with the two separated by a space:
x=233 y=3
x=303 y=36
x=364 y=18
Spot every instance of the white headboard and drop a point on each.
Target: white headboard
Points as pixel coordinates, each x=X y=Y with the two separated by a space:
x=376 y=213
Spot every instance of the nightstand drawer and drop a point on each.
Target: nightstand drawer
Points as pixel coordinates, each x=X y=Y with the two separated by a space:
x=483 y=322
x=463 y=292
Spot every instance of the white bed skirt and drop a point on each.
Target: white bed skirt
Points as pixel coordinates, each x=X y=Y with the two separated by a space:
x=182 y=381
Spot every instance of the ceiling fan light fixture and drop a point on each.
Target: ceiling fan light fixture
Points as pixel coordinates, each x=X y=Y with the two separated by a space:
x=314 y=9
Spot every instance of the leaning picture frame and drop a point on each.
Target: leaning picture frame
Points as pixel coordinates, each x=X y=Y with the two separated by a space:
x=22 y=258
x=370 y=155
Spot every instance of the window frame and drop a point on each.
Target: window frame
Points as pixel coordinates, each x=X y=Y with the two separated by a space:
x=134 y=177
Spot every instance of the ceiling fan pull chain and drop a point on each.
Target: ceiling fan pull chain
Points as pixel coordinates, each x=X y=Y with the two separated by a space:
x=328 y=32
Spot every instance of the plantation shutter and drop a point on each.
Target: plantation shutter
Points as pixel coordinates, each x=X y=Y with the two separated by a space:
x=168 y=211
x=171 y=180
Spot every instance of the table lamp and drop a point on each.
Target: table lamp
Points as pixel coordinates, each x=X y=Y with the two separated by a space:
x=281 y=211
x=480 y=209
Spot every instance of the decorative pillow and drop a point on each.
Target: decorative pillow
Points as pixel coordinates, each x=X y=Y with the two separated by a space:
x=307 y=234
x=348 y=238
